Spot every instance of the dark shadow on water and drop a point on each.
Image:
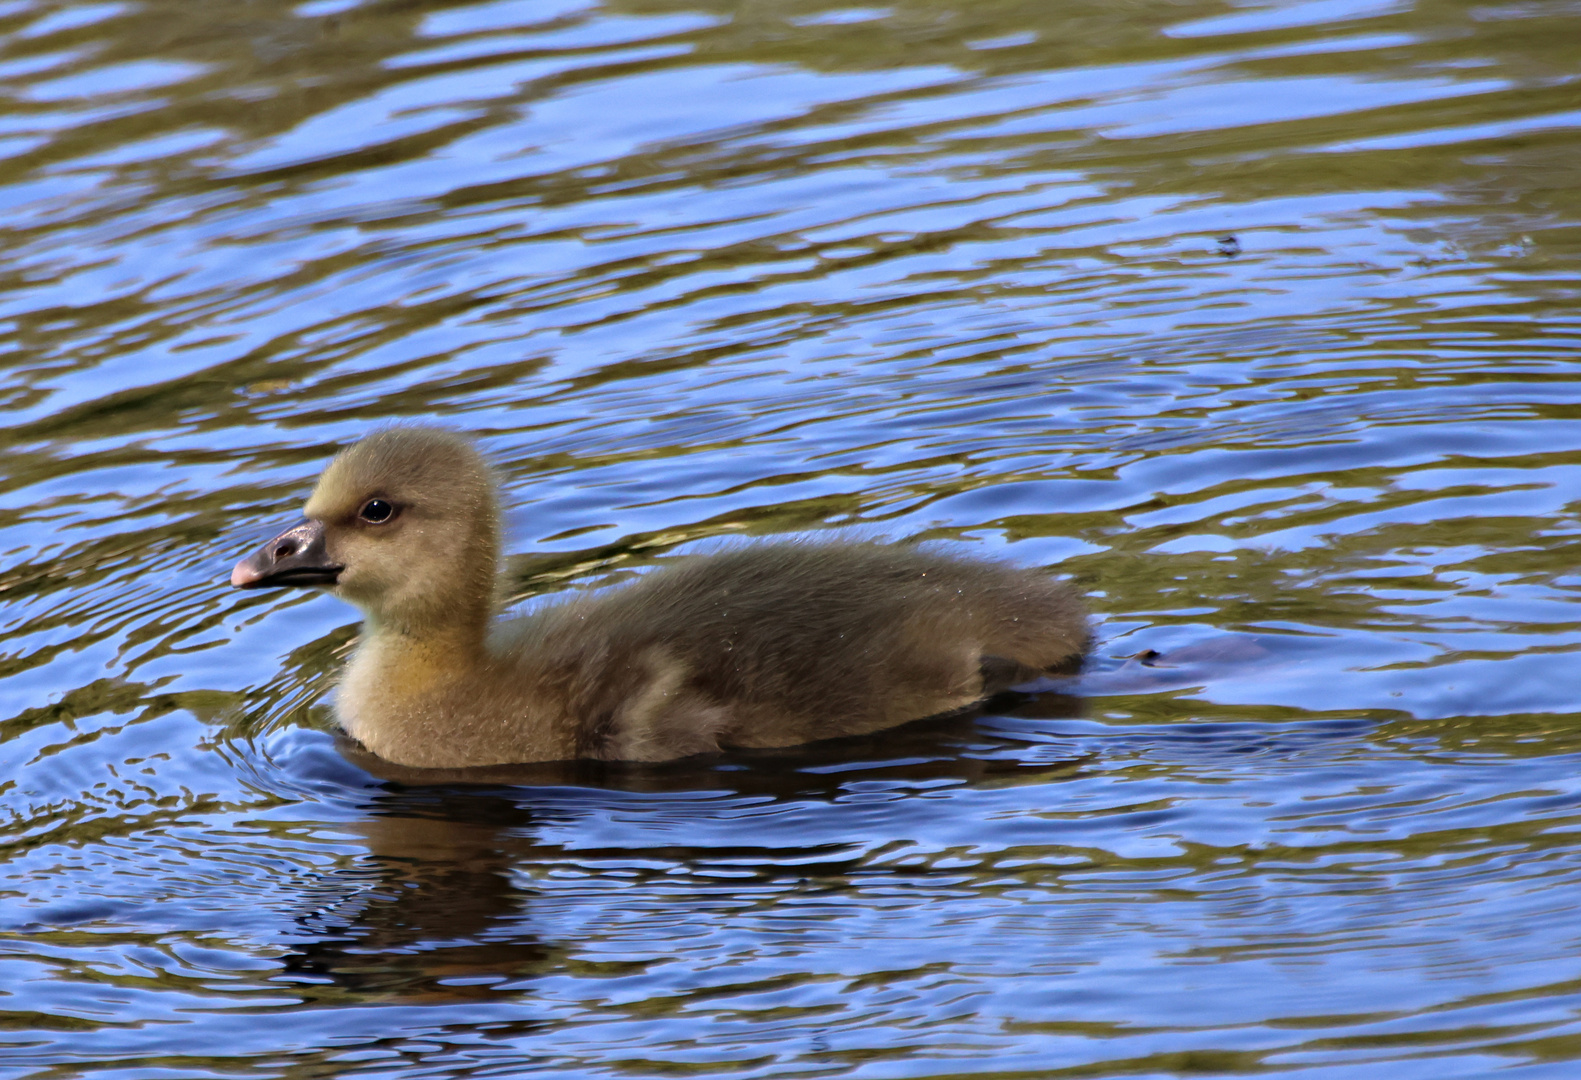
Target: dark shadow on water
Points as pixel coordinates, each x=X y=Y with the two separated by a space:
x=430 y=915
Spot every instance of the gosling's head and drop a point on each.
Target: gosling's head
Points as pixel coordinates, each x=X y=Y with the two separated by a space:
x=403 y=524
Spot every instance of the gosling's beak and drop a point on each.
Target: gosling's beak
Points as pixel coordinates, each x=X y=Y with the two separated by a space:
x=295 y=557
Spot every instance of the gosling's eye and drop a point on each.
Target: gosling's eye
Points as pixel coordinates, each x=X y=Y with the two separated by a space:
x=376 y=511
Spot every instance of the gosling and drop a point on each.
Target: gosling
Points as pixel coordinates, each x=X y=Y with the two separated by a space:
x=764 y=646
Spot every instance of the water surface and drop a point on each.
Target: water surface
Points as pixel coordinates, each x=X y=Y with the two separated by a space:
x=1258 y=321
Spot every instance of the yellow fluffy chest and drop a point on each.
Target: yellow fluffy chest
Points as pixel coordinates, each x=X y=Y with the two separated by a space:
x=427 y=704
x=383 y=682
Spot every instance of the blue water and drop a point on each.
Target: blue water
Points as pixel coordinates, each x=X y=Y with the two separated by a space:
x=1259 y=322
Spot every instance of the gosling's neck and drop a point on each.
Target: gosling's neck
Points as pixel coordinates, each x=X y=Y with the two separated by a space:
x=406 y=667
x=452 y=646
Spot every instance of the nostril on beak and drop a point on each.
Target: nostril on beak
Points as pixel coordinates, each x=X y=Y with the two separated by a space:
x=284 y=550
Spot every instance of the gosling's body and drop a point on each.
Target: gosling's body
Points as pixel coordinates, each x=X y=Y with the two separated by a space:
x=761 y=646
x=764 y=646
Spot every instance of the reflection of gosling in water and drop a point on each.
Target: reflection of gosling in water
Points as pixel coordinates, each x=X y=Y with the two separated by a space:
x=769 y=645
